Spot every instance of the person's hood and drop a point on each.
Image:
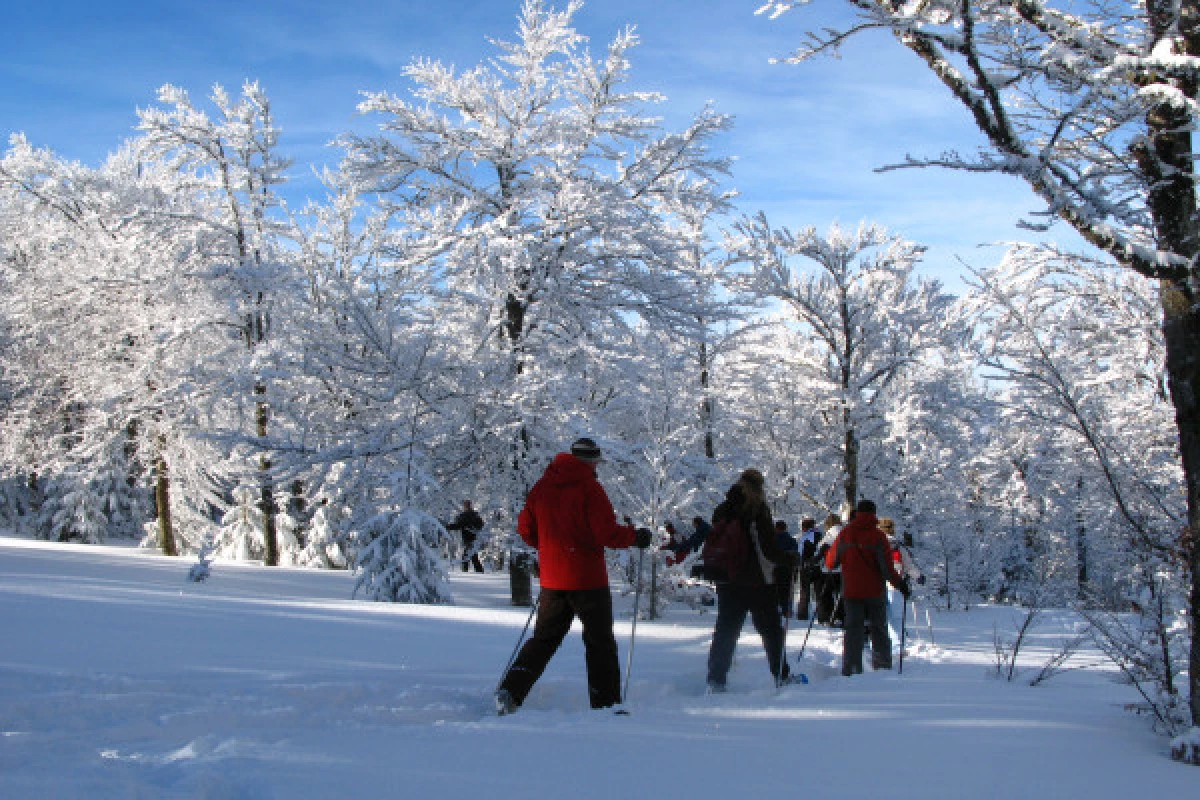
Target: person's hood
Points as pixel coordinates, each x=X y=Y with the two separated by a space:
x=863 y=521
x=567 y=469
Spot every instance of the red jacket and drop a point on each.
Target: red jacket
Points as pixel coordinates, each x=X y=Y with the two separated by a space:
x=865 y=557
x=570 y=520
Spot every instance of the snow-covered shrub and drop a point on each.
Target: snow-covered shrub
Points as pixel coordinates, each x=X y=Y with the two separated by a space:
x=241 y=535
x=122 y=500
x=1150 y=647
x=328 y=543
x=1186 y=747
x=203 y=566
x=289 y=528
x=399 y=558
x=72 y=510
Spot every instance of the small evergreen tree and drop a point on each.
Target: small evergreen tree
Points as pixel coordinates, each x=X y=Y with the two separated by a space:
x=72 y=511
x=399 y=560
x=241 y=535
x=328 y=543
x=121 y=500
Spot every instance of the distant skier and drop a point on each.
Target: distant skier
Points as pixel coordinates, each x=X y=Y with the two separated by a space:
x=809 y=535
x=468 y=523
x=906 y=566
x=569 y=519
x=863 y=553
x=828 y=582
x=785 y=574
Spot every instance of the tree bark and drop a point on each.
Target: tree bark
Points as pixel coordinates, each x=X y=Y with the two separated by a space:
x=267 y=499
x=1181 y=327
x=162 y=504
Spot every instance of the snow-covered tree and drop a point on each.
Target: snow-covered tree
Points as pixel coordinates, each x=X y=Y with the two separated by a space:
x=240 y=536
x=72 y=511
x=1093 y=105
x=112 y=318
x=856 y=319
x=399 y=558
x=231 y=159
x=541 y=195
x=328 y=544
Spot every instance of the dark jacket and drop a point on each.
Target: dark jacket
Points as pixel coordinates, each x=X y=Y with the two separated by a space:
x=787 y=543
x=696 y=540
x=469 y=522
x=747 y=506
x=569 y=519
x=865 y=557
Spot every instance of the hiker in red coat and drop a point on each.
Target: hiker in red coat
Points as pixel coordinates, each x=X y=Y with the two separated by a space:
x=569 y=519
x=865 y=557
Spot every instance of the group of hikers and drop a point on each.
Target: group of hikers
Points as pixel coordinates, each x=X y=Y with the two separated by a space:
x=570 y=520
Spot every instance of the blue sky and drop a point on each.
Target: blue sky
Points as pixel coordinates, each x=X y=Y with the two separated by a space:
x=807 y=138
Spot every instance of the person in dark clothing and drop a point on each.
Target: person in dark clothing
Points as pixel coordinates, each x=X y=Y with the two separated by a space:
x=863 y=553
x=468 y=523
x=809 y=535
x=750 y=591
x=700 y=531
x=676 y=546
x=828 y=582
x=569 y=519
x=785 y=575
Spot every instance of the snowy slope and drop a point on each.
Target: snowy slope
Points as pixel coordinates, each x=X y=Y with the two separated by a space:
x=121 y=679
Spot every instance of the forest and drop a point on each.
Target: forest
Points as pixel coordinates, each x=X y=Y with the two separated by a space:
x=521 y=254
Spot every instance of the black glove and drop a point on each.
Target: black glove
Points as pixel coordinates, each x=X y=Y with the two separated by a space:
x=642 y=537
x=920 y=580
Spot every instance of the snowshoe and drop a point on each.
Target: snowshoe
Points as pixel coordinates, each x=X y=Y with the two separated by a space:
x=505 y=704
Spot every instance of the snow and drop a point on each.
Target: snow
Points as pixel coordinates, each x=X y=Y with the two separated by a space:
x=121 y=678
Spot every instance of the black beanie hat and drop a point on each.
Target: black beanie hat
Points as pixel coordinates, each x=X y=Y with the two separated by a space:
x=586 y=450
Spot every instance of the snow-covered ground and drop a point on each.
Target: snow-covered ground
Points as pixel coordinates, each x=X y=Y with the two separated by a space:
x=119 y=678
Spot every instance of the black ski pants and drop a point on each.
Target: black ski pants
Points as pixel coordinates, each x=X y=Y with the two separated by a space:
x=873 y=612
x=470 y=556
x=734 y=601
x=557 y=609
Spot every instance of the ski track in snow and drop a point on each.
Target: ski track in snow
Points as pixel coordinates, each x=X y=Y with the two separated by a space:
x=119 y=678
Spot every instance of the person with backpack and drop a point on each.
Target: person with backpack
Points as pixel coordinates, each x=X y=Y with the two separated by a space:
x=785 y=576
x=863 y=553
x=828 y=581
x=569 y=519
x=739 y=556
x=905 y=566
x=808 y=551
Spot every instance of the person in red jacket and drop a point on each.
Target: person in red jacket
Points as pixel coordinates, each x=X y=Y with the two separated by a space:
x=865 y=557
x=569 y=519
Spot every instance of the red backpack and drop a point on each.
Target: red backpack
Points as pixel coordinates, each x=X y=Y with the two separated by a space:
x=726 y=551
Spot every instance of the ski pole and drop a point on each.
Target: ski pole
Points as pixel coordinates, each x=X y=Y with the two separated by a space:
x=520 y=639
x=787 y=619
x=637 y=598
x=903 y=628
x=811 y=618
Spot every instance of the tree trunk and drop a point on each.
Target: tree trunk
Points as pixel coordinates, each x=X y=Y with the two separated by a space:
x=1181 y=326
x=1167 y=162
x=850 y=468
x=1081 y=548
x=267 y=500
x=162 y=505
x=706 y=406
